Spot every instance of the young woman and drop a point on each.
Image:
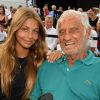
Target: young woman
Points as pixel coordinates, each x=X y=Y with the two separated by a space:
x=21 y=55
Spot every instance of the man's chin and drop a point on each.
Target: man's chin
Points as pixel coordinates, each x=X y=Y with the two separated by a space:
x=71 y=52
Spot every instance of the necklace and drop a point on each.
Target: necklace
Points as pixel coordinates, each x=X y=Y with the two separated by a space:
x=22 y=62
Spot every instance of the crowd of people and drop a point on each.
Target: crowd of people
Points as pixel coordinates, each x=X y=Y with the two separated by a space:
x=93 y=14
x=49 y=51
x=94 y=20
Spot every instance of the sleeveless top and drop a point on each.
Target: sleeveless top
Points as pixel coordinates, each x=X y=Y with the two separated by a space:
x=18 y=84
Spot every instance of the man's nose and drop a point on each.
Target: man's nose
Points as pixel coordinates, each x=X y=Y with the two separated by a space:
x=67 y=35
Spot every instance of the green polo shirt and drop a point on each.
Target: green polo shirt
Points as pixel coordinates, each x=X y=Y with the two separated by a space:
x=80 y=82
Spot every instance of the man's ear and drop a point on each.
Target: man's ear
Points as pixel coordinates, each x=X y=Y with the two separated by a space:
x=88 y=32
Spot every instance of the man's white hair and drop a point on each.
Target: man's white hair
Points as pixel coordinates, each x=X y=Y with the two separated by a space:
x=49 y=17
x=83 y=17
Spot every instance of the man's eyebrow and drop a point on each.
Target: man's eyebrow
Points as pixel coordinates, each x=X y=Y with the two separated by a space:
x=61 y=30
x=75 y=27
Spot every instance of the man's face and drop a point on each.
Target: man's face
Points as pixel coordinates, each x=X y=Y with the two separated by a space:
x=71 y=35
x=48 y=23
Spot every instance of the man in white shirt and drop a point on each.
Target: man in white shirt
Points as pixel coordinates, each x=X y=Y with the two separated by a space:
x=3 y=35
x=92 y=42
x=51 y=33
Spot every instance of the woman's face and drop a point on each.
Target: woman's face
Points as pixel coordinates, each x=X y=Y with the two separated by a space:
x=98 y=25
x=1 y=10
x=27 y=35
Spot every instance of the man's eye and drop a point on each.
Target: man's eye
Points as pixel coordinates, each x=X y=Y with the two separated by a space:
x=61 y=32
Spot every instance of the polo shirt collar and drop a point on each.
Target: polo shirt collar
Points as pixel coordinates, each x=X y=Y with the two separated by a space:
x=88 y=60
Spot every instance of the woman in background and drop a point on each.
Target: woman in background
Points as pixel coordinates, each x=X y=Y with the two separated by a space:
x=3 y=17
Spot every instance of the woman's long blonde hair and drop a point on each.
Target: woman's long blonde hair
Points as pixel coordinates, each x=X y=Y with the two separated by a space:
x=37 y=53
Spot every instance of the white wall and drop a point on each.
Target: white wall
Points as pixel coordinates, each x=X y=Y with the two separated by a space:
x=14 y=3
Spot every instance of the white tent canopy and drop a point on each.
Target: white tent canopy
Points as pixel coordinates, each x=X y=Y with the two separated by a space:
x=14 y=3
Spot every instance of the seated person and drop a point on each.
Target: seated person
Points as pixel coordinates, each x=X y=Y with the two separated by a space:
x=75 y=75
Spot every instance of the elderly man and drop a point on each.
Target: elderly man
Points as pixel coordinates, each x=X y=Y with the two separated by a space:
x=51 y=33
x=75 y=76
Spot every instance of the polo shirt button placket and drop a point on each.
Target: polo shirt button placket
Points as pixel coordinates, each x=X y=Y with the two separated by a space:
x=67 y=69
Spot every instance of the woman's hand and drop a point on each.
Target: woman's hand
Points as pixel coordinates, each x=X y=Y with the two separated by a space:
x=54 y=55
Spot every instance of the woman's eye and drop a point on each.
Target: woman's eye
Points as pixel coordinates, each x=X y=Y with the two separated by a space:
x=35 y=31
x=24 y=29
